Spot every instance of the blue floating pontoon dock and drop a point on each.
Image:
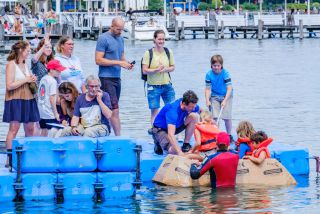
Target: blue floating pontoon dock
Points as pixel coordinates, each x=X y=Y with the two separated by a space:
x=99 y=168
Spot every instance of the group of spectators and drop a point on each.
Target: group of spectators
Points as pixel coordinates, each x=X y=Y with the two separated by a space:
x=54 y=98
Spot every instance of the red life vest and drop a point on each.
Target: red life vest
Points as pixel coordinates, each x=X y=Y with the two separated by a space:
x=247 y=141
x=263 y=147
x=208 y=134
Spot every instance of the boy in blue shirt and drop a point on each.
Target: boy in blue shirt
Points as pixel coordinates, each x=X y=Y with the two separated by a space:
x=218 y=92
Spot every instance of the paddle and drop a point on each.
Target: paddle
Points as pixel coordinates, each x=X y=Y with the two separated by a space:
x=218 y=120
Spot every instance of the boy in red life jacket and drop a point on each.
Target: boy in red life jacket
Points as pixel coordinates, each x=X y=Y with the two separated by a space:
x=222 y=165
x=205 y=134
x=244 y=144
x=260 y=141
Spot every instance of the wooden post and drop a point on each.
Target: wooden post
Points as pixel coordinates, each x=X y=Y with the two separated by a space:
x=1 y=33
x=300 y=29
x=216 y=30
x=206 y=34
x=182 y=31
x=100 y=28
x=222 y=30
x=133 y=31
x=176 y=30
x=260 y=29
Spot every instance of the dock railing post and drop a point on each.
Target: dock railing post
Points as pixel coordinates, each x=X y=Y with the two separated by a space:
x=260 y=29
x=216 y=30
x=222 y=30
x=138 y=182
x=1 y=33
x=18 y=186
x=133 y=30
x=100 y=28
x=300 y=29
x=182 y=31
x=176 y=30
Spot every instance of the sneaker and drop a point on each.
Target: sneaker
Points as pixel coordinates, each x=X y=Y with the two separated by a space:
x=157 y=148
x=150 y=131
x=186 y=147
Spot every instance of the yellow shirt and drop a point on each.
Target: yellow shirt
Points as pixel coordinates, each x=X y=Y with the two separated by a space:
x=157 y=59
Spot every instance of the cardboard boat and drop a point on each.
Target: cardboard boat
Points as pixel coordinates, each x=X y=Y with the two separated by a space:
x=175 y=171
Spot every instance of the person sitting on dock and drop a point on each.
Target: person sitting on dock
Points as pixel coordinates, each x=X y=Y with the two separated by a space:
x=68 y=95
x=260 y=142
x=92 y=112
x=172 y=119
x=222 y=166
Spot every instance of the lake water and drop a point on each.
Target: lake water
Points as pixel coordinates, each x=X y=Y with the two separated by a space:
x=275 y=87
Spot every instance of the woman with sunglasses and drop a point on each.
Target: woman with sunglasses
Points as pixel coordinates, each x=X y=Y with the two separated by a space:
x=74 y=72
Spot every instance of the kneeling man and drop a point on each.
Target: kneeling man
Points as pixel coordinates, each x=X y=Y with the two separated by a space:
x=172 y=119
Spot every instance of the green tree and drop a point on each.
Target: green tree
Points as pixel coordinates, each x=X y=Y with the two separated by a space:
x=155 y=4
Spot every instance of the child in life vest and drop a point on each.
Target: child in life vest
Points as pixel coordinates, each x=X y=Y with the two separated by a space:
x=205 y=134
x=244 y=145
x=260 y=141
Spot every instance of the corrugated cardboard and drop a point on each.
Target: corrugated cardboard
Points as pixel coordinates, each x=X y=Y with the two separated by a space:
x=271 y=172
x=175 y=171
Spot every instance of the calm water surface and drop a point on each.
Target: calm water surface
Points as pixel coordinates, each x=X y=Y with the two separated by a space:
x=275 y=87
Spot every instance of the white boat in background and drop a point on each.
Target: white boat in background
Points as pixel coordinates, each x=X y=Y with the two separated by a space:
x=145 y=24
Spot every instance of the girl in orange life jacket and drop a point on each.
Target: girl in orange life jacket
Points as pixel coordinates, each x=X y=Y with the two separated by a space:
x=260 y=141
x=205 y=134
x=244 y=144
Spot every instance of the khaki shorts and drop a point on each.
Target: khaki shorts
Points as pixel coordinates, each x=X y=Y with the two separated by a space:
x=227 y=110
x=161 y=137
x=93 y=131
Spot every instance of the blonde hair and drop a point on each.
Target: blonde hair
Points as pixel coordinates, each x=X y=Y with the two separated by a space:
x=245 y=129
x=205 y=116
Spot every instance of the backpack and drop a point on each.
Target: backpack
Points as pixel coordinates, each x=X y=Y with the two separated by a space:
x=144 y=77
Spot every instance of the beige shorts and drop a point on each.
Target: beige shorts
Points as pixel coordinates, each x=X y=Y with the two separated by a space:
x=100 y=130
x=227 y=110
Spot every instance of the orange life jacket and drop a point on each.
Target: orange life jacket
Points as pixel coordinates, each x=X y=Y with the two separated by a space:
x=208 y=134
x=247 y=141
x=263 y=147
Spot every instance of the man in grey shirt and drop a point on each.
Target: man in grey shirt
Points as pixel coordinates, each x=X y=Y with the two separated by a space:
x=110 y=58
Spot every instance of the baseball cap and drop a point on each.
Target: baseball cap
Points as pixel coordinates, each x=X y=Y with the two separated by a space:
x=223 y=138
x=55 y=65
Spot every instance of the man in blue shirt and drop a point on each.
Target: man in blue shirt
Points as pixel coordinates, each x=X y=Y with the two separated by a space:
x=110 y=58
x=218 y=91
x=172 y=119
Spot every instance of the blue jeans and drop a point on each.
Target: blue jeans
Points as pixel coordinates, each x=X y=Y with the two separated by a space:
x=166 y=92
